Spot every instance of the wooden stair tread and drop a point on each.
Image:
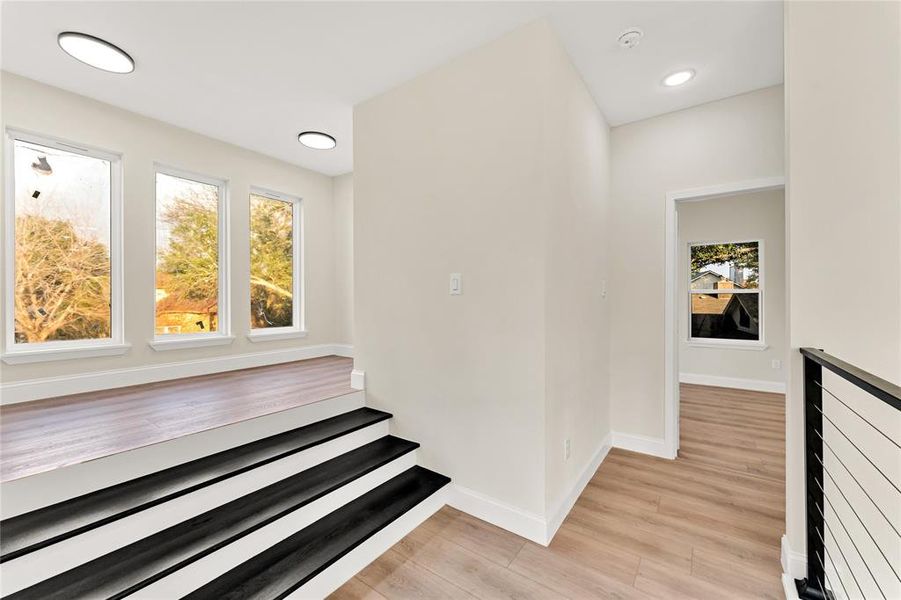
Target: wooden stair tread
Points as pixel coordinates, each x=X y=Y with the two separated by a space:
x=39 y=528
x=128 y=569
x=289 y=564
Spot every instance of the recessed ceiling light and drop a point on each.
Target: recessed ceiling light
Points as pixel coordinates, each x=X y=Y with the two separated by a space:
x=678 y=78
x=93 y=51
x=317 y=140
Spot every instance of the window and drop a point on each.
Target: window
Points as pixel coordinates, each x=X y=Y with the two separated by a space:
x=191 y=291
x=275 y=274
x=63 y=284
x=725 y=291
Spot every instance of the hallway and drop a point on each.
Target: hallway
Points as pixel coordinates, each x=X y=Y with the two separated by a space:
x=707 y=525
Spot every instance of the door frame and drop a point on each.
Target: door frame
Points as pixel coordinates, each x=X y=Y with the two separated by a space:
x=671 y=304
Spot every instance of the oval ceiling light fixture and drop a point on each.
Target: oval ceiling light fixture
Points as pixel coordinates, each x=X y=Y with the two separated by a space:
x=95 y=52
x=316 y=140
x=679 y=78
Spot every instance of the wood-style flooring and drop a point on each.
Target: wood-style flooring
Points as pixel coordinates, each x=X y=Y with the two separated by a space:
x=56 y=432
x=706 y=525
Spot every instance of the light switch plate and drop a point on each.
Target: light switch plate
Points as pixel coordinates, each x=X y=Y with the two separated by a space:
x=456 y=284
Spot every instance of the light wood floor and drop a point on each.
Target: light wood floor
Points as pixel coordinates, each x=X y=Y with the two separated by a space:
x=48 y=434
x=706 y=525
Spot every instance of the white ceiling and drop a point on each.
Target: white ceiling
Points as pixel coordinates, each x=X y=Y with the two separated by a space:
x=255 y=74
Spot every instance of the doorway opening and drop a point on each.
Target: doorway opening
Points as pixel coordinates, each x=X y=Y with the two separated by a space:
x=727 y=327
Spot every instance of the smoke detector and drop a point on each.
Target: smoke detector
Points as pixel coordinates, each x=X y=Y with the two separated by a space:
x=630 y=38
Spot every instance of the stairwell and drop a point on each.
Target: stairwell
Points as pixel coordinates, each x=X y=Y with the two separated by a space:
x=294 y=514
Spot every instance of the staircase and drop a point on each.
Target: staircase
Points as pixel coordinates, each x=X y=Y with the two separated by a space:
x=294 y=514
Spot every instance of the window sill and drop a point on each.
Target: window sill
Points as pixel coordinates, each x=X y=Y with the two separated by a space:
x=729 y=345
x=161 y=345
x=20 y=357
x=263 y=335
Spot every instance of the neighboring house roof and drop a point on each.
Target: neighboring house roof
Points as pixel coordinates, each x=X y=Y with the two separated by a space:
x=706 y=273
x=716 y=276
x=744 y=300
x=702 y=304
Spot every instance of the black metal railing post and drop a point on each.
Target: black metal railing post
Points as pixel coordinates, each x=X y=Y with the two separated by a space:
x=829 y=539
x=813 y=586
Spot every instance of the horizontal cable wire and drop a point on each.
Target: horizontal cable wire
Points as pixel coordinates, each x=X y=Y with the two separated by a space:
x=826 y=498
x=844 y=558
x=862 y=418
x=886 y=477
x=827 y=585
x=824 y=586
x=851 y=506
x=863 y=489
x=834 y=568
x=847 y=563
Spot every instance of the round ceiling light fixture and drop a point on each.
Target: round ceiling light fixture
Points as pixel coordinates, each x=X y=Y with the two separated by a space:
x=630 y=38
x=316 y=140
x=679 y=78
x=95 y=52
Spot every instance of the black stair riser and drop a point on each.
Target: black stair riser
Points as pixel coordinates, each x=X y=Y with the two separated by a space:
x=42 y=527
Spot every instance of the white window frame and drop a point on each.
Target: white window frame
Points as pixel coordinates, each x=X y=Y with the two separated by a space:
x=222 y=336
x=63 y=349
x=758 y=344
x=298 y=328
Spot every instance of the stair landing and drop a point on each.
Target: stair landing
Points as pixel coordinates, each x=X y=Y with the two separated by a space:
x=44 y=435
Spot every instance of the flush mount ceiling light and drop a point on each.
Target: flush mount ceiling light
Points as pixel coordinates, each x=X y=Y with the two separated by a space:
x=678 y=78
x=630 y=37
x=317 y=140
x=95 y=52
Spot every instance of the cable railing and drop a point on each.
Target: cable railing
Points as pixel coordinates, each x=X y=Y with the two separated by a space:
x=853 y=474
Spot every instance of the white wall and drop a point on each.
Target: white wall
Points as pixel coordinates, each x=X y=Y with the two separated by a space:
x=447 y=180
x=755 y=216
x=577 y=255
x=843 y=110
x=344 y=258
x=458 y=171
x=36 y=107
x=728 y=141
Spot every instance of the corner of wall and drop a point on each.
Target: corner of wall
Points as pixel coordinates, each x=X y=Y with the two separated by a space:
x=576 y=329
x=343 y=201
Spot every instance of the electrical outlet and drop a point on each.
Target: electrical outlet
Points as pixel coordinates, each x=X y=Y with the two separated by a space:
x=777 y=364
x=567 y=448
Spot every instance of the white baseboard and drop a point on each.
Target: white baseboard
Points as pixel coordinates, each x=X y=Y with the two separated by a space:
x=788 y=587
x=642 y=443
x=47 y=387
x=755 y=385
x=345 y=350
x=794 y=564
x=523 y=523
x=559 y=515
